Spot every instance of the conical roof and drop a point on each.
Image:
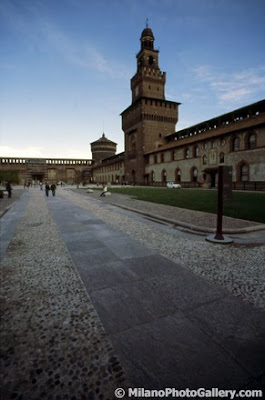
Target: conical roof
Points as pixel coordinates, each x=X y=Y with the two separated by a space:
x=103 y=139
x=147 y=32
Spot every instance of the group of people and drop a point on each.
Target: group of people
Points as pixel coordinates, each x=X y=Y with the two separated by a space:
x=48 y=188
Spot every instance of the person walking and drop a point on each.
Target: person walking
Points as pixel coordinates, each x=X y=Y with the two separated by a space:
x=53 y=189
x=9 y=190
x=47 y=189
x=105 y=189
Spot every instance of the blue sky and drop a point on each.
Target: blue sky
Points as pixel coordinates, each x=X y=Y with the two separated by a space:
x=65 y=66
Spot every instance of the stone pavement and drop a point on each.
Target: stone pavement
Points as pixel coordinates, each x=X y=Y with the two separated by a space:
x=159 y=324
x=6 y=203
x=52 y=344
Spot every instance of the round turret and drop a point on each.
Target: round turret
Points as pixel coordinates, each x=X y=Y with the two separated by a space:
x=147 y=38
x=147 y=33
x=102 y=148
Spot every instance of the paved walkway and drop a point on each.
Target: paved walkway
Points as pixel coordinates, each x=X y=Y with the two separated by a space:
x=6 y=203
x=134 y=319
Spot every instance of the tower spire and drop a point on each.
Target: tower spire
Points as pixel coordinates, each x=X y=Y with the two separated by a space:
x=146 y=23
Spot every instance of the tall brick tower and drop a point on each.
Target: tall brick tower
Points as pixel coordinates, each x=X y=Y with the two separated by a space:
x=150 y=117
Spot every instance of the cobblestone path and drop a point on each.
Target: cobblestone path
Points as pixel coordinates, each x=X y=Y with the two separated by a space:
x=53 y=345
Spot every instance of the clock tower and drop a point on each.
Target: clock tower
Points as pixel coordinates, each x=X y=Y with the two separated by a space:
x=148 y=81
x=150 y=117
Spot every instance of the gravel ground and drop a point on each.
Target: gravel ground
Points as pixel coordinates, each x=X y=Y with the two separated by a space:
x=53 y=345
x=239 y=269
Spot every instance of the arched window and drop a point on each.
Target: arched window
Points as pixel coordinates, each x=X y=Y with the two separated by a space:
x=251 y=144
x=221 y=158
x=196 y=151
x=244 y=173
x=155 y=158
x=204 y=160
x=162 y=157
x=164 y=176
x=152 y=177
x=178 y=175
x=235 y=144
x=194 y=174
x=186 y=153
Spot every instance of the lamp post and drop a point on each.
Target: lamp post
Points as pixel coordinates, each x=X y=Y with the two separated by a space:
x=224 y=193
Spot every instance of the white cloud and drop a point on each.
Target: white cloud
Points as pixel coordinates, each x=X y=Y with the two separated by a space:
x=233 y=88
x=41 y=152
x=234 y=95
x=82 y=54
x=7 y=151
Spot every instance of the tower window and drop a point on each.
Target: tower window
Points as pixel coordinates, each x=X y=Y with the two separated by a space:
x=164 y=176
x=251 y=141
x=244 y=173
x=186 y=153
x=151 y=60
x=235 y=144
x=194 y=174
x=178 y=175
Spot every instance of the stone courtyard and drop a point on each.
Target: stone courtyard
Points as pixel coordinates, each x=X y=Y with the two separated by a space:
x=96 y=297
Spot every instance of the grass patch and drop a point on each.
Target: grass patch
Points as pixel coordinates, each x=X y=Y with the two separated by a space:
x=245 y=205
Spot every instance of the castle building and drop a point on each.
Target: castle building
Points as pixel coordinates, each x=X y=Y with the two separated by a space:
x=192 y=155
x=34 y=170
x=150 y=117
x=109 y=170
x=155 y=154
x=107 y=167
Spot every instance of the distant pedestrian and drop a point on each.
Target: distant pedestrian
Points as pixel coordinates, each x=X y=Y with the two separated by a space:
x=41 y=185
x=105 y=189
x=53 y=189
x=47 y=189
x=9 y=190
